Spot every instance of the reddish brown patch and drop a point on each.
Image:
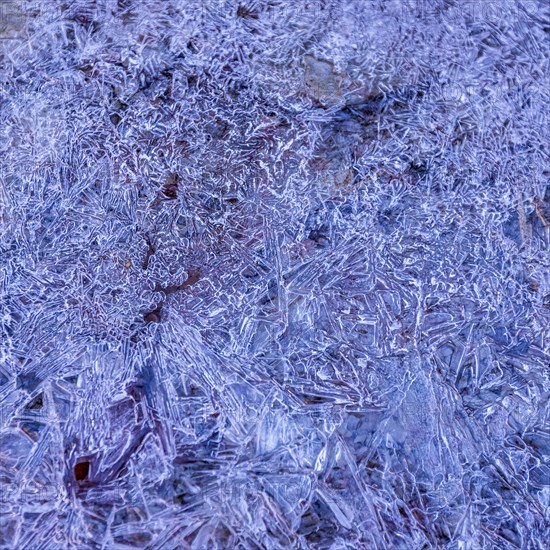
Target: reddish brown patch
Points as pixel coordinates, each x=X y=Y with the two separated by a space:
x=193 y=277
x=153 y=316
x=170 y=189
x=81 y=471
x=246 y=13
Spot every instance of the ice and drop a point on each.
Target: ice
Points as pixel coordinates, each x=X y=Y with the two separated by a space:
x=274 y=274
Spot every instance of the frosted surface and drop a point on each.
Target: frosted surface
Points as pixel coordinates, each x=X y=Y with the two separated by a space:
x=274 y=274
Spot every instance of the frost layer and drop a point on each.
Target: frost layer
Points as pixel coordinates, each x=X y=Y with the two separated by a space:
x=274 y=274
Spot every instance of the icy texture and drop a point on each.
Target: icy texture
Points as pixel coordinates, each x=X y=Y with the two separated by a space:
x=274 y=274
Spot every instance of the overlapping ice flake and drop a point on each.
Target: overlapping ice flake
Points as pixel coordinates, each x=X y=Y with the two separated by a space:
x=274 y=274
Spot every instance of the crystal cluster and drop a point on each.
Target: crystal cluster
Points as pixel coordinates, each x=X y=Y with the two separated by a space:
x=274 y=274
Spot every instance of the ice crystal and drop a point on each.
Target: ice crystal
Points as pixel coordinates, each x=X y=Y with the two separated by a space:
x=274 y=274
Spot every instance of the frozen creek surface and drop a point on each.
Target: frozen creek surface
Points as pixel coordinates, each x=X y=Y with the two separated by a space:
x=274 y=274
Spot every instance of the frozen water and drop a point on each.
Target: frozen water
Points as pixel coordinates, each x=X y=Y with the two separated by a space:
x=274 y=274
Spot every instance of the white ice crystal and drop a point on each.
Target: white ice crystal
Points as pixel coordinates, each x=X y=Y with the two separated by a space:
x=274 y=274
